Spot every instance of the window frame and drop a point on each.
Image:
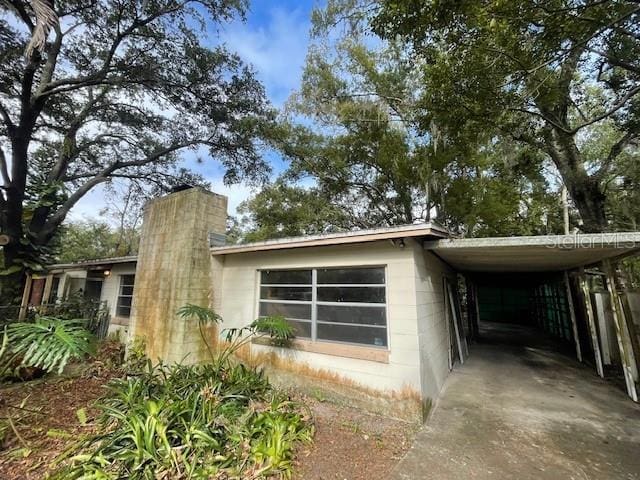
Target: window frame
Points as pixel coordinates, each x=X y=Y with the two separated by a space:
x=314 y=302
x=120 y=295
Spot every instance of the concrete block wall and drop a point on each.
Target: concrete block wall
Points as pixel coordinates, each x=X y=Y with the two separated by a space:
x=174 y=269
x=239 y=286
x=433 y=331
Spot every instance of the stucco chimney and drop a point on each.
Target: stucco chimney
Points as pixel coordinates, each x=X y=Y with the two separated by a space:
x=173 y=269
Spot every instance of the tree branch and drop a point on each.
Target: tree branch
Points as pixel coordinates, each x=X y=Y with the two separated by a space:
x=4 y=169
x=621 y=103
x=615 y=151
x=4 y=113
x=59 y=215
x=19 y=8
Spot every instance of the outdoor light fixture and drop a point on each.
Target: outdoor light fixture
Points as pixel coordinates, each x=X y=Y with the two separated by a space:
x=106 y=273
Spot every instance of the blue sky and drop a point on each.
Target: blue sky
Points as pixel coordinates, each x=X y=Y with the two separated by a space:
x=274 y=39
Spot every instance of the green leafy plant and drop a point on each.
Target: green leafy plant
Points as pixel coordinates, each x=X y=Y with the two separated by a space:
x=204 y=316
x=136 y=355
x=191 y=421
x=275 y=327
x=48 y=343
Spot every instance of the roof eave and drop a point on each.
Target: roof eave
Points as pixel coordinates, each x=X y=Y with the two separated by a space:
x=408 y=231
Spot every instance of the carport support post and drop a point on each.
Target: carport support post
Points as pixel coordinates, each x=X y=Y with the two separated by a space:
x=627 y=355
x=476 y=305
x=592 y=326
x=572 y=314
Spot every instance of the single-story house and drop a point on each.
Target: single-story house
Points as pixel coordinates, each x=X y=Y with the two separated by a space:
x=108 y=280
x=380 y=315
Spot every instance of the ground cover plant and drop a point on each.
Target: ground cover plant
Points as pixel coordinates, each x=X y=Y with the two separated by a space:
x=220 y=419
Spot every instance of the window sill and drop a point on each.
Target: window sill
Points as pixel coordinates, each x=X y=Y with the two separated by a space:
x=336 y=349
x=122 y=321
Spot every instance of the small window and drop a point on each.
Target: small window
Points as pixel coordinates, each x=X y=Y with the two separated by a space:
x=125 y=296
x=329 y=304
x=53 y=294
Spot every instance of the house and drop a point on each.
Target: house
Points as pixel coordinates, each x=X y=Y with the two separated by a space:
x=108 y=280
x=380 y=315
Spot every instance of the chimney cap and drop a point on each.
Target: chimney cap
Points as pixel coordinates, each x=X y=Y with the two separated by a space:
x=181 y=187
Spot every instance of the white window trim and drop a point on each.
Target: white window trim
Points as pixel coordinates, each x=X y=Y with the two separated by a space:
x=121 y=295
x=314 y=302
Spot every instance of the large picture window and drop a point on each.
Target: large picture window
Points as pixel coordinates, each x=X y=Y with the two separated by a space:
x=125 y=296
x=329 y=304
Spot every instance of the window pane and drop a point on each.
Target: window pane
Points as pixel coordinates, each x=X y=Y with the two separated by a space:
x=268 y=277
x=351 y=275
x=351 y=294
x=286 y=293
x=127 y=291
x=340 y=314
x=301 y=329
x=124 y=301
x=287 y=310
x=353 y=334
x=127 y=280
x=123 y=311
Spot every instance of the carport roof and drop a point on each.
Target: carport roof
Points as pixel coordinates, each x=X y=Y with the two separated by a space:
x=544 y=253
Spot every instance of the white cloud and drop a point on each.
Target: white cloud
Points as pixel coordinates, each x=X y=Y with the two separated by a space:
x=235 y=193
x=277 y=49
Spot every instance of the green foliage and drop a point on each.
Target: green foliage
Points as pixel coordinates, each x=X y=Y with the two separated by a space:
x=376 y=158
x=119 y=97
x=283 y=210
x=546 y=75
x=49 y=343
x=204 y=315
x=136 y=358
x=199 y=421
x=275 y=327
x=88 y=240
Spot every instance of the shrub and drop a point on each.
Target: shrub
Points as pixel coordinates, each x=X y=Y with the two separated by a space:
x=220 y=419
x=194 y=421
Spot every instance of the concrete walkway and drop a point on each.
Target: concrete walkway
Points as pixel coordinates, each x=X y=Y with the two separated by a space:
x=517 y=409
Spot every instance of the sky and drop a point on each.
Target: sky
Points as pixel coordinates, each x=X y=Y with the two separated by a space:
x=274 y=39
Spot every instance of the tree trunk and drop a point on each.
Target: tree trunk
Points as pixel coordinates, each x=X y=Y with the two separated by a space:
x=11 y=285
x=590 y=202
x=585 y=190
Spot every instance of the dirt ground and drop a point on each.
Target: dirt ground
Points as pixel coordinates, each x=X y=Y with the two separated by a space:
x=348 y=444
x=352 y=445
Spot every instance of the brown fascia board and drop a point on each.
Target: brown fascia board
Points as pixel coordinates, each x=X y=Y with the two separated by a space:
x=362 y=236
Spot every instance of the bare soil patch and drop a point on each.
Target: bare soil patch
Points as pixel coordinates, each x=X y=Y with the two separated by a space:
x=47 y=423
x=352 y=445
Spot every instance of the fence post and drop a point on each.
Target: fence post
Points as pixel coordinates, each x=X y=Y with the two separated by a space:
x=24 y=304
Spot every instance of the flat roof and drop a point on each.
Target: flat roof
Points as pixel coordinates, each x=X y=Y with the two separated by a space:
x=543 y=253
x=93 y=263
x=357 y=236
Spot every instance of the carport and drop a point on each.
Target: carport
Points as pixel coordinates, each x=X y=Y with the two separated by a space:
x=567 y=287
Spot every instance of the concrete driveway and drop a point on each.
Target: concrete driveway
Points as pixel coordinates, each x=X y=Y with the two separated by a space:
x=517 y=409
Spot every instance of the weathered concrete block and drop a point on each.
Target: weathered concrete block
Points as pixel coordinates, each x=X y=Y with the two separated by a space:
x=174 y=269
